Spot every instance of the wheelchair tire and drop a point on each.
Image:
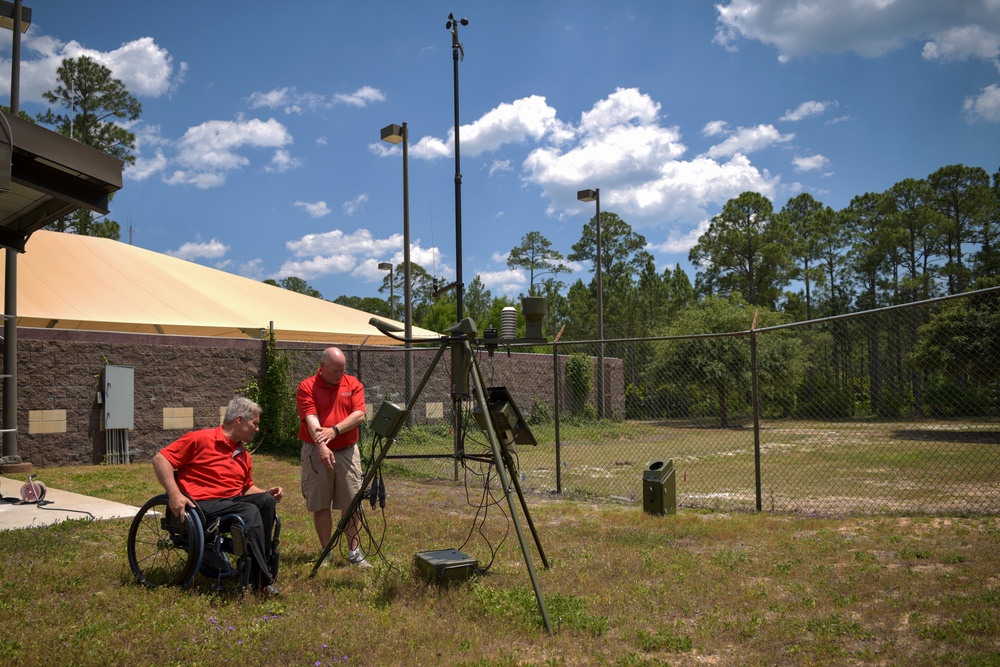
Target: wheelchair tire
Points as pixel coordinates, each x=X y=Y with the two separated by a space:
x=161 y=550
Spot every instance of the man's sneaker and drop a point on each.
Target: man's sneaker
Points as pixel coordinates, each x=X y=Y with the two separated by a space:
x=270 y=590
x=357 y=559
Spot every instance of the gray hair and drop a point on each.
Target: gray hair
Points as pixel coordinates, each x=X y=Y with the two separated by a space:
x=240 y=407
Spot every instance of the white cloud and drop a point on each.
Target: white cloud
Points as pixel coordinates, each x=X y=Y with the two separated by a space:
x=499 y=166
x=681 y=243
x=622 y=147
x=208 y=151
x=145 y=167
x=810 y=163
x=714 y=128
x=525 y=119
x=510 y=281
x=289 y=100
x=985 y=105
x=962 y=43
x=283 y=161
x=868 y=27
x=196 y=250
x=807 y=109
x=354 y=205
x=747 y=140
x=361 y=97
x=146 y=68
x=356 y=253
x=314 y=209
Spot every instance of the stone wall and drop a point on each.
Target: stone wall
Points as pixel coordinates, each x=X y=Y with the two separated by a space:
x=60 y=373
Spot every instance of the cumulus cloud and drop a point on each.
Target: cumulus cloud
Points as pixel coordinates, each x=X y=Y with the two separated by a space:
x=963 y=43
x=282 y=161
x=622 y=146
x=985 y=105
x=509 y=281
x=207 y=152
x=146 y=68
x=527 y=119
x=681 y=243
x=747 y=140
x=355 y=253
x=714 y=128
x=197 y=250
x=810 y=163
x=317 y=209
x=361 y=97
x=869 y=28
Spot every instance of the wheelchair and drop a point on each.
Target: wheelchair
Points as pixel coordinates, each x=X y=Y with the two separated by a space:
x=162 y=551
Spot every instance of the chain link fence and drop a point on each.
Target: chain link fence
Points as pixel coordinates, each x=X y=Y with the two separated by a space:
x=886 y=411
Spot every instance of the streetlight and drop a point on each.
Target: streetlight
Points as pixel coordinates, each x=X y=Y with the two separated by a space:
x=595 y=196
x=395 y=134
x=456 y=47
x=387 y=266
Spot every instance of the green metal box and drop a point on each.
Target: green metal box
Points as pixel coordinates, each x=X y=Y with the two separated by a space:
x=445 y=565
x=659 y=488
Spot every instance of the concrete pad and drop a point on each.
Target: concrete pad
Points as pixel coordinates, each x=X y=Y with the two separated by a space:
x=57 y=506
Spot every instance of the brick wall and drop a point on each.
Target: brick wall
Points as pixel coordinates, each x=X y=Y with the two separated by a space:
x=60 y=373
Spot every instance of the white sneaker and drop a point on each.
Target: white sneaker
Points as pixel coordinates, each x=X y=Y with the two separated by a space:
x=357 y=559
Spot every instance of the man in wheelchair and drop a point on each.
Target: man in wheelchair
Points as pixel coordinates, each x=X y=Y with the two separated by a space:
x=213 y=467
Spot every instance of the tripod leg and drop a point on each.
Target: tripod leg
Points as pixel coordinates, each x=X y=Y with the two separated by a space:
x=480 y=394
x=509 y=462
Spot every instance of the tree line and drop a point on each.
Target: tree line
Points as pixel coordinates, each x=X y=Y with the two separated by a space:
x=921 y=238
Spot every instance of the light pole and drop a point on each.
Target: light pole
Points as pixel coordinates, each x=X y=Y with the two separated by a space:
x=387 y=266
x=456 y=47
x=395 y=134
x=595 y=196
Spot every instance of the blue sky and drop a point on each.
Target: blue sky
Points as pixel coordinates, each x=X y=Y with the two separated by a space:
x=259 y=152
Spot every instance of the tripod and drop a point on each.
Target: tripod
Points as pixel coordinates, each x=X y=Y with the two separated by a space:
x=463 y=365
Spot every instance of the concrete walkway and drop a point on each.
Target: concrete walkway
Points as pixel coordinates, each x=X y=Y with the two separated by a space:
x=57 y=506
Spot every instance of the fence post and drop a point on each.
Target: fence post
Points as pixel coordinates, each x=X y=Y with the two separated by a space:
x=755 y=400
x=555 y=393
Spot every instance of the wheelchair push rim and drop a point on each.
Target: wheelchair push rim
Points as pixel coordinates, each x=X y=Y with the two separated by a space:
x=161 y=550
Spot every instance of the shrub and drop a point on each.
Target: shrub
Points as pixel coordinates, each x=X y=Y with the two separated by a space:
x=579 y=377
x=539 y=412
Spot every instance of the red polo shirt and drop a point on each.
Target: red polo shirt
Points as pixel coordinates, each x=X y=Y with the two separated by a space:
x=209 y=465
x=331 y=404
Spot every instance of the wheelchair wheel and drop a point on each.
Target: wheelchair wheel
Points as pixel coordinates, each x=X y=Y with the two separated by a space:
x=161 y=550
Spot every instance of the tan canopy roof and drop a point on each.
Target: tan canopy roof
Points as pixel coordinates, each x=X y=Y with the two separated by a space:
x=67 y=281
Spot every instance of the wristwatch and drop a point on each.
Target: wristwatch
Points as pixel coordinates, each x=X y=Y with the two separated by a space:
x=336 y=431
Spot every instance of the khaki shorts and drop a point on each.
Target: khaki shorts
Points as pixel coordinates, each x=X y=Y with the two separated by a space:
x=323 y=488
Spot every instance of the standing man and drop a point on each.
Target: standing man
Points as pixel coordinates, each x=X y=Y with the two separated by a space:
x=213 y=467
x=331 y=406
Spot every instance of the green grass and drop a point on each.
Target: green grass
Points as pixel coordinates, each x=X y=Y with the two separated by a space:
x=624 y=588
x=850 y=467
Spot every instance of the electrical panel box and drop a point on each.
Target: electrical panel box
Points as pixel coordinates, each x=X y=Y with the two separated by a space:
x=387 y=419
x=118 y=397
x=445 y=566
